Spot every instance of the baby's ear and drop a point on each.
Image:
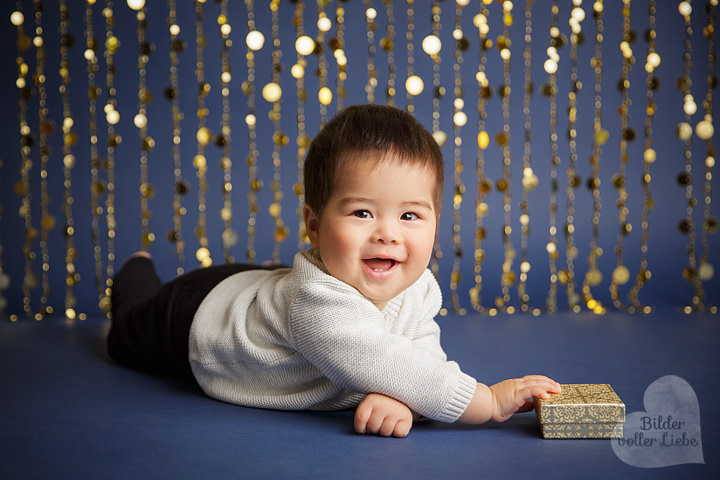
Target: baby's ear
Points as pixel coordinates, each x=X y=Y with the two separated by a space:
x=312 y=225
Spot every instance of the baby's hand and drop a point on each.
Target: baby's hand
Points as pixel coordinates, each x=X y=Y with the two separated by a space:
x=383 y=416
x=517 y=394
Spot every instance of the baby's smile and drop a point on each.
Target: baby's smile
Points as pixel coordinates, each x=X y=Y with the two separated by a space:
x=380 y=264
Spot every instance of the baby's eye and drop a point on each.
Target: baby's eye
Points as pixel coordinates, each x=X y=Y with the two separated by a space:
x=409 y=216
x=362 y=214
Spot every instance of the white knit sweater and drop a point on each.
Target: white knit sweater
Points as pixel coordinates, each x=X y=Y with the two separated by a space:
x=301 y=339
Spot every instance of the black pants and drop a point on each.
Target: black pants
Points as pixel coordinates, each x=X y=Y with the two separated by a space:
x=151 y=320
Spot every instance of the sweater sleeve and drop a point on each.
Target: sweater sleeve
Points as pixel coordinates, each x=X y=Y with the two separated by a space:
x=343 y=335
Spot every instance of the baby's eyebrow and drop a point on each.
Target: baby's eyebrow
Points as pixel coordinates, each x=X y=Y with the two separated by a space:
x=418 y=203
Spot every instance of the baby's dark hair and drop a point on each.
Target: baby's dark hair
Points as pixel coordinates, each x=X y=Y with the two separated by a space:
x=368 y=131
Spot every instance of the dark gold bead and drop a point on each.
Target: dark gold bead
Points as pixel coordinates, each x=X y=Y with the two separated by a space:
x=684 y=226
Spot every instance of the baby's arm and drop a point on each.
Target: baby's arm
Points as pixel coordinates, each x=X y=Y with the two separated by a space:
x=500 y=401
x=383 y=416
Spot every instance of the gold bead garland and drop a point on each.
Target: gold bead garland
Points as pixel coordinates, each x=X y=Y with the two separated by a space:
x=459 y=120
x=45 y=128
x=69 y=140
x=550 y=91
x=140 y=120
x=172 y=93
x=649 y=154
x=413 y=83
x=432 y=46
x=567 y=276
x=593 y=276
x=280 y=233
x=338 y=46
x=387 y=43
x=222 y=140
x=705 y=131
x=507 y=278
x=483 y=184
x=370 y=27
x=324 y=24
x=112 y=117
x=203 y=137
x=254 y=41
x=303 y=141
x=529 y=180
x=621 y=274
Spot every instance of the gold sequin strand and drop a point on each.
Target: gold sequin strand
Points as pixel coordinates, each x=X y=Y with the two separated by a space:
x=337 y=45
x=22 y=186
x=387 y=43
x=370 y=27
x=303 y=141
x=413 y=83
x=507 y=279
x=593 y=277
x=621 y=274
x=432 y=46
x=45 y=128
x=97 y=185
x=280 y=139
x=140 y=120
x=651 y=84
x=223 y=139
x=459 y=120
x=550 y=90
x=705 y=131
x=483 y=184
x=203 y=137
x=325 y=95
x=172 y=94
x=254 y=41
x=112 y=117
x=529 y=179
x=69 y=140
x=567 y=276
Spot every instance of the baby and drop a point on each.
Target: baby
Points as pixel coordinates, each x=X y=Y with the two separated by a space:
x=351 y=324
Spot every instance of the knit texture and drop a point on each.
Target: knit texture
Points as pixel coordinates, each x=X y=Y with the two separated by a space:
x=301 y=339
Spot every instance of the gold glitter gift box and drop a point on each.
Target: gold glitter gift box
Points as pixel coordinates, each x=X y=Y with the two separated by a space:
x=581 y=411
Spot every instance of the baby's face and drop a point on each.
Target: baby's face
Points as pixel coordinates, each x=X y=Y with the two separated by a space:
x=377 y=231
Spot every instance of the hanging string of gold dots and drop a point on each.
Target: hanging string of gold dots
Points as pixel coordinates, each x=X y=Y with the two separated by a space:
x=459 y=120
x=621 y=274
x=172 y=94
x=45 y=128
x=69 y=140
x=387 y=43
x=370 y=27
x=567 y=276
x=704 y=130
x=507 y=278
x=483 y=185
x=432 y=45
x=529 y=180
x=140 y=120
x=222 y=139
x=255 y=41
x=337 y=45
x=651 y=83
x=684 y=132
x=413 y=83
x=593 y=277
x=324 y=24
x=303 y=141
x=279 y=139
x=550 y=90
x=22 y=186
x=203 y=137
x=112 y=117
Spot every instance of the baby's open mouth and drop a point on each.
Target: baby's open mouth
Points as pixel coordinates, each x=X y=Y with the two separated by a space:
x=380 y=264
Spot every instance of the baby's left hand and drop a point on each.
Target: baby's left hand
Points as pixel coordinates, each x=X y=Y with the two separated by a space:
x=383 y=415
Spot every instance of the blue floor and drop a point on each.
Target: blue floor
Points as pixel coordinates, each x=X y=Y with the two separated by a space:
x=67 y=412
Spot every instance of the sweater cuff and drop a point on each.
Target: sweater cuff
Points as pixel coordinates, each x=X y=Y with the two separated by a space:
x=457 y=405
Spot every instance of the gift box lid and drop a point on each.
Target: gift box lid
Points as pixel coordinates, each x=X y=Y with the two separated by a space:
x=581 y=403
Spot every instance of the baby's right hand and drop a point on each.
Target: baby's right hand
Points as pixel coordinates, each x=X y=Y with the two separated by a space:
x=518 y=395
x=383 y=415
